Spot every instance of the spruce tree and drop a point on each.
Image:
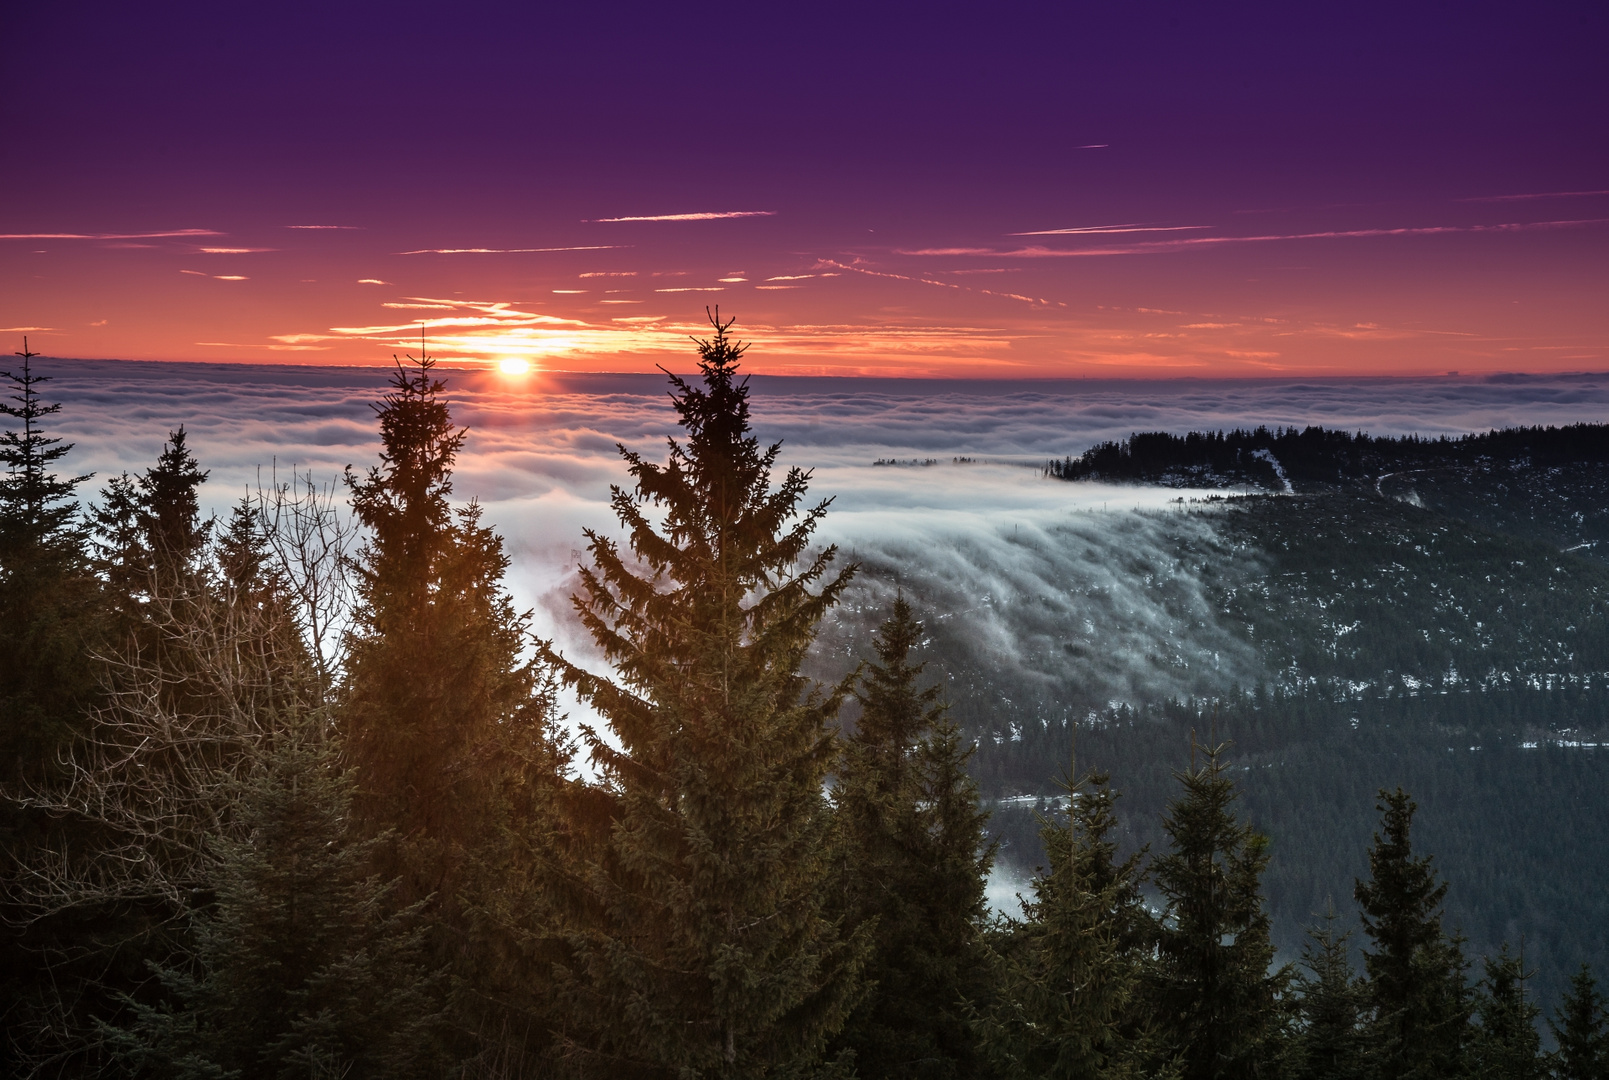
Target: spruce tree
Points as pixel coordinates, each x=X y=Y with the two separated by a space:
x=1507 y=1046
x=700 y=941
x=301 y=965
x=1581 y=1030
x=914 y=863
x=449 y=726
x=49 y=630
x=1213 y=987
x=1331 y=1041
x=442 y=714
x=47 y=593
x=1416 y=991
x=1068 y=1004
x=150 y=536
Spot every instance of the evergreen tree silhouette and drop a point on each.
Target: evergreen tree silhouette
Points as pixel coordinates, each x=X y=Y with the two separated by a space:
x=302 y=965
x=1213 y=986
x=1068 y=1003
x=1415 y=985
x=448 y=723
x=700 y=944
x=1507 y=1045
x=1581 y=1030
x=915 y=862
x=48 y=597
x=1331 y=1041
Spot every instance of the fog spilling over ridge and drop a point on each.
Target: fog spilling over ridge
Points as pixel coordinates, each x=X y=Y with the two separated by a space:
x=1044 y=570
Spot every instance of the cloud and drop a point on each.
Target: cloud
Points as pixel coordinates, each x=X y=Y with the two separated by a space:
x=1536 y=195
x=24 y=329
x=1185 y=243
x=609 y=273
x=110 y=236
x=694 y=288
x=231 y=277
x=374 y=281
x=708 y=215
x=323 y=226
x=233 y=251
x=1083 y=230
x=509 y=251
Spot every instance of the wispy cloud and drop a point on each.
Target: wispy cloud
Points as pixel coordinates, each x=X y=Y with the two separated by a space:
x=323 y=226
x=110 y=236
x=1086 y=230
x=1185 y=243
x=231 y=277
x=25 y=329
x=1536 y=195
x=510 y=251
x=707 y=215
x=372 y=281
x=694 y=288
x=233 y=251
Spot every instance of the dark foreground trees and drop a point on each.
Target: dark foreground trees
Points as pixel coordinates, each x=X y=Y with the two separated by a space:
x=913 y=858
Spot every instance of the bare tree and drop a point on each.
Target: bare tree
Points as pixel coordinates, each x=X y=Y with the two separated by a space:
x=226 y=659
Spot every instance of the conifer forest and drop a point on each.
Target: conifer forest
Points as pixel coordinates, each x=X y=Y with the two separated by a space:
x=293 y=792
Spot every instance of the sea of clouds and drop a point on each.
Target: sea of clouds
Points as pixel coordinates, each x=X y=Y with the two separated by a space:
x=542 y=453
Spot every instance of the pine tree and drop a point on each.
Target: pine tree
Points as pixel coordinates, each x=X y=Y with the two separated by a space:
x=1507 y=1045
x=1581 y=1030
x=1213 y=986
x=301 y=965
x=1330 y=1045
x=915 y=860
x=1068 y=1004
x=150 y=536
x=701 y=947
x=1415 y=986
x=449 y=727
x=442 y=714
x=49 y=629
x=47 y=594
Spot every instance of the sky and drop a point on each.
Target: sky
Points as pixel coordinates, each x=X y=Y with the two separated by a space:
x=1000 y=191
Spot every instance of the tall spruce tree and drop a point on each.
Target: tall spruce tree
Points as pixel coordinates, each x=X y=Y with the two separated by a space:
x=49 y=629
x=1331 y=1042
x=1213 y=986
x=1069 y=976
x=448 y=725
x=1581 y=1030
x=1507 y=1046
x=1416 y=989
x=914 y=862
x=47 y=593
x=701 y=944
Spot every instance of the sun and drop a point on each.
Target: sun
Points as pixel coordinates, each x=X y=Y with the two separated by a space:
x=513 y=365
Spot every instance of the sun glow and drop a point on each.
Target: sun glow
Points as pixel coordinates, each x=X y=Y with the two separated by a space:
x=513 y=365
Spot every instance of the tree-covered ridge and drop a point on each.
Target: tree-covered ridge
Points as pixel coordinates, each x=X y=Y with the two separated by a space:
x=1317 y=457
x=309 y=807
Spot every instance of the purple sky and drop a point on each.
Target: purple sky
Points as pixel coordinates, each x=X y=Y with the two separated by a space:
x=1324 y=189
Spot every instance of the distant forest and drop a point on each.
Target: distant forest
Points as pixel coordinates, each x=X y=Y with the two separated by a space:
x=291 y=793
x=1317 y=457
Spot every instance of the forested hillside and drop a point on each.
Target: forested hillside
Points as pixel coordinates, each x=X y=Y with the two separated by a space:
x=1424 y=612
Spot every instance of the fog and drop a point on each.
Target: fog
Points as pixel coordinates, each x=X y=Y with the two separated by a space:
x=1034 y=566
